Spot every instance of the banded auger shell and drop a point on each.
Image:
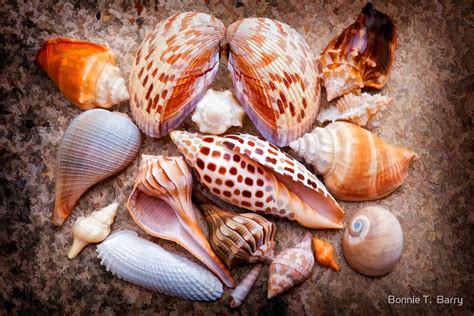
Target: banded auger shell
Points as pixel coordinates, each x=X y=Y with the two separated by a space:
x=245 y=286
x=357 y=109
x=85 y=72
x=173 y=67
x=274 y=76
x=96 y=145
x=161 y=205
x=240 y=238
x=356 y=164
x=362 y=55
x=217 y=111
x=373 y=241
x=291 y=267
x=141 y=262
x=251 y=173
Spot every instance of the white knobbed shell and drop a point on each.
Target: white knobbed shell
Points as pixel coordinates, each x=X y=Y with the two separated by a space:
x=146 y=264
x=172 y=69
x=96 y=145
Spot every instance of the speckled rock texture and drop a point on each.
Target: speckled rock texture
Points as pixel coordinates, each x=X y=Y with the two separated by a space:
x=432 y=84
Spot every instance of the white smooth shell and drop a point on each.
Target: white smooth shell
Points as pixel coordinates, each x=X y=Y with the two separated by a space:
x=146 y=264
x=373 y=241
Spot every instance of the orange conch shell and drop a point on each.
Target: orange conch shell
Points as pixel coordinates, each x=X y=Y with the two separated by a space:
x=325 y=253
x=172 y=69
x=362 y=55
x=85 y=72
x=356 y=164
x=274 y=76
x=161 y=205
x=251 y=173
x=291 y=267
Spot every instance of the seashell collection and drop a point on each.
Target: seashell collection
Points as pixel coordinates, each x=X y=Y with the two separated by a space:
x=276 y=79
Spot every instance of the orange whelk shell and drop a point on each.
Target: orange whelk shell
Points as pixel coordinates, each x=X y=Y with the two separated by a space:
x=291 y=267
x=172 y=69
x=325 y=253
x=356 y=164
x=362 y=55
x=274 y=76
x=161 y=205
x=251 y=173
x=85 y=72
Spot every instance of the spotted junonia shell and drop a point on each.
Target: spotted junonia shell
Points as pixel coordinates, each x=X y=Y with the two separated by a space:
x=274 y=76
x=236 y=175
x=172 y=69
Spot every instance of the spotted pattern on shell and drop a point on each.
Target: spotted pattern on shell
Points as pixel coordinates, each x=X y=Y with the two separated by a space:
x=274 y=76
x=172 y=69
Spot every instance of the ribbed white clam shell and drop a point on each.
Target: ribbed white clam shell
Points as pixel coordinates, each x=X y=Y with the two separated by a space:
x=144 y=263
x=97 y=144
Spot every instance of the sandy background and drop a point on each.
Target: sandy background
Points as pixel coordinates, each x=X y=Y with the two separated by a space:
x=431 y=82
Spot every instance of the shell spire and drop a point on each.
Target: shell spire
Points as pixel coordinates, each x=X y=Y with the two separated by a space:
x=85 y=72
x=96 y=145
x=291 y=267
x=371 y=169
x=173 y=66
x=248 y=172
x=161 y=205
x=274 y=77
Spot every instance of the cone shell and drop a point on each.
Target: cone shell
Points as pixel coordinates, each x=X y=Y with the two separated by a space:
x=325 y=253
x=85 y=72
x=96 y=145
x=291 y=267
x=357 y=109
x=362 y=55
x=274 y=77
x=356 y=164
x=373 y=241
x=146 y=264
x=239 y=238
x=161 y=205
x=251 y=173
x=172 y=69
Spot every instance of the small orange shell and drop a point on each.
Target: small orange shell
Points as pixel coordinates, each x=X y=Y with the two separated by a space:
x=325 y=253
x=173 y=67
x=85 y=72
x=362 y=55
x=274 y=77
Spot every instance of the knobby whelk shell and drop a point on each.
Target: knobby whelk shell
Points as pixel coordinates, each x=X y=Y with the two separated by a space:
x=146 y=264
x=373 y=241
x=92 y=229
x=361 y=56
x=172 y=69
x=356 y=164
x=239 y=237
x=85 y=72
x=291 y=267
x=161 y=205
x=357 y=109
x=325 y=254
x=239 y=294
x=217 y=111
x=274 y=76
x=251 y=173
x=96 y=145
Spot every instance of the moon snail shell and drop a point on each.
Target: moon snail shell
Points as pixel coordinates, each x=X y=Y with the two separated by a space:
x=373 y=242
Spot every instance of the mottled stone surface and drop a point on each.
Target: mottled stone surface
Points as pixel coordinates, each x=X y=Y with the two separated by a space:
x=432 y=83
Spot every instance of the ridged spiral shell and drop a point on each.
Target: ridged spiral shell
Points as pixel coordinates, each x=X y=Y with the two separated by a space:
x=146 y=264
x=96 y=145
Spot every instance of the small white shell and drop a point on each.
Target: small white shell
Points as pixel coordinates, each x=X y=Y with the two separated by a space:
x=357 y=109
x=245 y=286
x=146 y=264
x=92 y=229
x=373 y=241
x=217 y=111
